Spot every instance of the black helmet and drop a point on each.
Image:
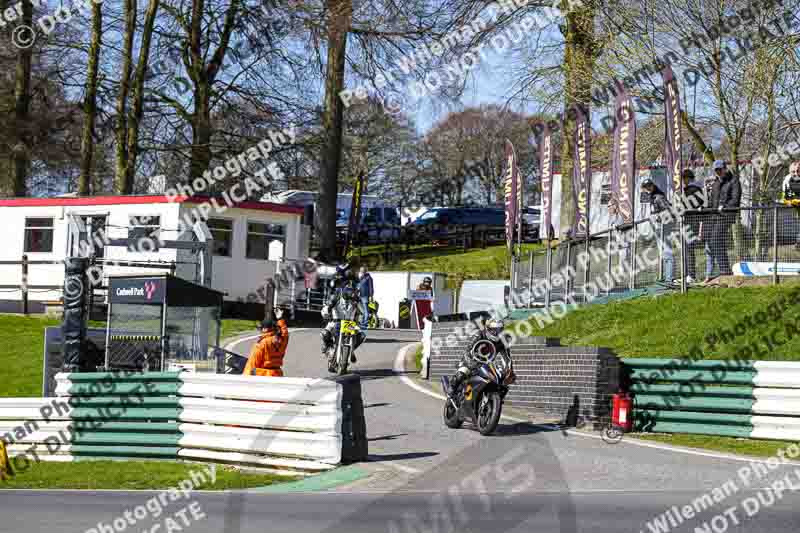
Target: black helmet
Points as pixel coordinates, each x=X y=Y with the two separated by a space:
x=348 y=294
x=427 y=280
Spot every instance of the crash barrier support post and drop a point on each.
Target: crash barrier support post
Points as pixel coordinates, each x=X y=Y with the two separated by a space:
x=296 y=426
x=735 y=398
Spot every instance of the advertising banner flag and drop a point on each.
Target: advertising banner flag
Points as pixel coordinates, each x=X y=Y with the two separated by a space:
x=672 y=140
x=623 y=159
x=546 y=177
x=355 y=214
x=582 y=172
x=512 y=189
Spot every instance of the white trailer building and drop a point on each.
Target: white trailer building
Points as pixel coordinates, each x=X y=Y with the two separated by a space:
x=245 y=239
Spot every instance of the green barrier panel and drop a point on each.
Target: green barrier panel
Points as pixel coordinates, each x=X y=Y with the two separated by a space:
x=127 y=402
x=151 y=388
x=156 y=413
x=692 y=417
x=696 y=376
x=693 y=389
x=124 y=451
x=701 y=429
x=83 y=377
x=128 y=439
x=679 y=363
x=133 y=427
x=721 y=405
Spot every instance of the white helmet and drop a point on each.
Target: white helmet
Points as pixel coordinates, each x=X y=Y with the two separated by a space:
x=494 y=328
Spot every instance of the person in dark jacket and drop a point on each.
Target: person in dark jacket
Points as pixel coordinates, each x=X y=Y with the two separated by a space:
x=725 y=196
x=693 y=199
x=366 y=291
x=659 y=203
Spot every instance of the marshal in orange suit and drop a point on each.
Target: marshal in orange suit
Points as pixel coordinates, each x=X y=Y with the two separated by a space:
x=266 y=358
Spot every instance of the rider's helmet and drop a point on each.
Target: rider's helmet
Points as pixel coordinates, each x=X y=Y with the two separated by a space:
x=427 y=280
x=494 y=328
x=348 y=293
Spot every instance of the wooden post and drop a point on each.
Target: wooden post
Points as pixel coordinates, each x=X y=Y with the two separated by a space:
x=24 y=285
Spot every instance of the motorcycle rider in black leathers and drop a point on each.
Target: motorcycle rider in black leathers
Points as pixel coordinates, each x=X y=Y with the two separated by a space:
x=491 y=332
x=341 y=305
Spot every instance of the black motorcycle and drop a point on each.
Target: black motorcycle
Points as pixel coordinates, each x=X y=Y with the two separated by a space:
x=481 y=395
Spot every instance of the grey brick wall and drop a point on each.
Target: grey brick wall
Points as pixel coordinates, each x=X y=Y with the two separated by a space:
x=551 y=379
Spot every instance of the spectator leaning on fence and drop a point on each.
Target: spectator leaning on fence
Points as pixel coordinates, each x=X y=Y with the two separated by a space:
x=725 y=196
x=693 y=195
x=791 y=183
x=790 y=191
x=659 y=203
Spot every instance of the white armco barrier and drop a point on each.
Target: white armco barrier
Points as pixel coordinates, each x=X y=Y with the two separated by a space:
x=292 y=426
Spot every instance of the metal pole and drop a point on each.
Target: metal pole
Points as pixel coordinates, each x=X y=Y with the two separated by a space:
x=568 y=280
x=163 y=335
x=775 y=245
x=661 y=253
x=611 y=236
x=530 y=279
x=292 y=293
x=548 y=268
x=586 y=269
x=24 y=285
x=683 y=255
x=108 y=332
x=632 y=264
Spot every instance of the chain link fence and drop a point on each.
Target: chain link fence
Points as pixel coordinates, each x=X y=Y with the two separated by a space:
x=758 y=241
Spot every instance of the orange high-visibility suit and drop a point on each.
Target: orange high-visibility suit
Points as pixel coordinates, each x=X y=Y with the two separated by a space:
x=266 y=357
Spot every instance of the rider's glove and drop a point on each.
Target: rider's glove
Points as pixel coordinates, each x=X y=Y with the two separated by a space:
x=278 y=313
x=326 y=311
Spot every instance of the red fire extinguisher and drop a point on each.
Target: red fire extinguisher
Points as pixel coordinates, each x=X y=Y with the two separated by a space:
x=622 y=411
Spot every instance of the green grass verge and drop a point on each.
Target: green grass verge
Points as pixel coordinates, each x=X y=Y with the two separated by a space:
x=671 y=325
x=21 y=360
x=754 y=447
x=23 y=341
x=131 y=475
x=481 y=263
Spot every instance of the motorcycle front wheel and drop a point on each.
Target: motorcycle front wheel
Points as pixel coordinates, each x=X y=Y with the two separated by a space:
x=451 y=418
x=488 y=412
x=344 y=359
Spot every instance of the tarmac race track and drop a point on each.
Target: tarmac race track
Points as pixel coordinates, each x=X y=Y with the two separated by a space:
x=423 y=477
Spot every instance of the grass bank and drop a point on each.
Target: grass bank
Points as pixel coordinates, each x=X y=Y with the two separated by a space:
x=673 y=324
x=131 y=475
x=21 y=360
x=480 y=263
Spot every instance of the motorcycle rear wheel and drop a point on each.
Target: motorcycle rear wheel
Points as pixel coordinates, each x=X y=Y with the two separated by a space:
x=450 y=415
x=488 y=414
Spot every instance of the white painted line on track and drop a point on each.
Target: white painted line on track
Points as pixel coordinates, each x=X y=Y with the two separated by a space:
x=399 y=367
x=398 y=466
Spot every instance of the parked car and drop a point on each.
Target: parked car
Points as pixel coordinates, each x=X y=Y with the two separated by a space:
x=439 y=223
x=378 y=224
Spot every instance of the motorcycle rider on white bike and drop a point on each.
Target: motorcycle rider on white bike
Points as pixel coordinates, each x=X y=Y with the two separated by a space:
x=340 y=306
